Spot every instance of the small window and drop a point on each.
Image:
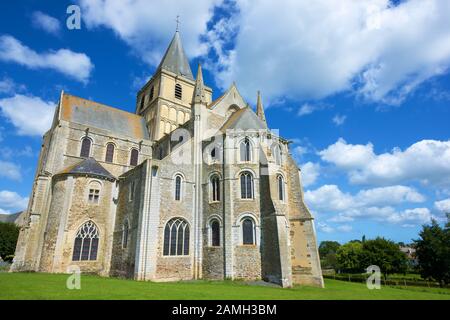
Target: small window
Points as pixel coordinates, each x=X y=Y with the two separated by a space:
x=94 y=196
x=178 y=91
x=152 y=92
x=131 y=191
x=246 y=185
x=248 y=232
x=213 y=153
x=215 y=233
x=176 y=238
x=134 y=155
x=178 y=182
x=280 y=181
x=215 y=188
x=125 y=231
x=86 y=243
x=109 y=153
x=85 y=148
x=245 y=150
x=142 y=101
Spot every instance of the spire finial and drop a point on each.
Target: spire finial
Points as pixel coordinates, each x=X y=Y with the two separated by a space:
x=260 y=108
x=178 y=23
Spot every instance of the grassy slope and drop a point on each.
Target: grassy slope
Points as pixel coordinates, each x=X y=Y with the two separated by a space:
x=52 y=286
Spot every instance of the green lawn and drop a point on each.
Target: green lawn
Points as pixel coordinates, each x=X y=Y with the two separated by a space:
x=53 y=286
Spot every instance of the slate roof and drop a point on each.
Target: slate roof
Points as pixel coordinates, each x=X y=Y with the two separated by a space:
x=175 y=59
x=244 y=119
x=90 y=167
x=93 y=114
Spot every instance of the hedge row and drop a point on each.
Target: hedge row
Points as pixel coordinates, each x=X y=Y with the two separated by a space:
x=391 y=282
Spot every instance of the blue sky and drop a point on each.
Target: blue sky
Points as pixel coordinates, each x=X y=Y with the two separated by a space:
x=361 y=88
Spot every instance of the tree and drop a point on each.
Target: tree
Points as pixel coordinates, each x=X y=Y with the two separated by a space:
x=433 y=252
x=327 y=247
x=9 y=233
x=348 y=257
x=385 y=254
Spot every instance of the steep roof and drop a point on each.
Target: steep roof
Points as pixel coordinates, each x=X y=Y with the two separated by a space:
x=175 y=59
x=244 y=119
x=93 y=114
x=88 y=166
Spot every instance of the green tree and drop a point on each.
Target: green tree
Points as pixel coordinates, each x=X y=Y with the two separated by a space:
x=348 y=257
x=9 y=233
x=385 y=254
x=433 y=252
x=327 y=247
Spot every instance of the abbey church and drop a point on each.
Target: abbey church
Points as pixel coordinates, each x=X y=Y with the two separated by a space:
x=184 y=188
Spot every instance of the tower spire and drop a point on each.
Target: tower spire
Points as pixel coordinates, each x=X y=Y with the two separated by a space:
x=260 y=109
x=199 y=90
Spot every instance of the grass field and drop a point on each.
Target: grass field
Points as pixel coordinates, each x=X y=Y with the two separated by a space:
x=53 y=286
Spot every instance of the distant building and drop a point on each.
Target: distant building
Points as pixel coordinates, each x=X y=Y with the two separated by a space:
x=185 y=188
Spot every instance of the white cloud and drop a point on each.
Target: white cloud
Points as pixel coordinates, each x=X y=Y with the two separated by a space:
x=339 y=119
x=443 y=205
x=72 y=64
x=22 y=111
x=427 y=161
x=310 y=172
x=325 y=227
x=147 y=26
x=344 y=228
x=374 y=204
x=10 y=170
x=45 y=22
x=308 y=108
x=12 y=201
x=312 y=49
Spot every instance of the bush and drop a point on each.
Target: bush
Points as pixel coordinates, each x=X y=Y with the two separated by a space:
x=9 y=233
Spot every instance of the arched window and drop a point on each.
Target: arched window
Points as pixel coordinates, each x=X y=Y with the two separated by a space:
x=125 y=230
x=215 y=188
x=176 y=238
x=213 y=153
x=248 y=231
x=109 y=157
x=178 y=182
x=246 y=185
x=215 y=233
x=86 y=242
x=245 y=150
x=152 y=92
x=85 y=148
x=277 y=155
x=134 y=155
x=280 y=182
x=178 y=91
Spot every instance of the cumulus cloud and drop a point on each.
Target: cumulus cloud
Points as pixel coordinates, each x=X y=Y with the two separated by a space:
x=339 y=119
x=10 y=170
x=443 y=205
x=427 y=161
x=22 y=111
x=147 y=26
x=75 y=65
x=313 y=49
x=12 y=201
x=376 y=204
x=308 y=108
x=45 y=22
x=310 y=172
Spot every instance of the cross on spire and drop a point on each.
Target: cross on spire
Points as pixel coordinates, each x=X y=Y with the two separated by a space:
x=178 y=22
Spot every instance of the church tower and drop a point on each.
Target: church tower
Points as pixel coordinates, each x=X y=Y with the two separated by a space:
x=165 y=100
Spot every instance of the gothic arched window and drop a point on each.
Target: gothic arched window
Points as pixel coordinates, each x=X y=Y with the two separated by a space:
x=277 y=155
x=176 y=238
x=178 y=185
x=215 y=188
x=246 y=185
x=248 y=231
x=245 y=150
x=85 y=148
x=109 y=157
x=280 y=182
x=178 y=91
x=125 y=231
x=86 y=242
x=134 y=155
x=215 y=233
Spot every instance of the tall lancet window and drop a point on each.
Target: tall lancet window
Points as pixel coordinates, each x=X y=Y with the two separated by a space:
x=178 y=186
x=85 y=148
x=245 y=150
x=246 y=185
x=280 y=182
x=134 y=156
x=109 y=157
x=248 y=231
x=86 y=242
x=215 y=188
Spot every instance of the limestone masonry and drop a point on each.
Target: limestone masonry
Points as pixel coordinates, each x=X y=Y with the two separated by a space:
x=185 y=188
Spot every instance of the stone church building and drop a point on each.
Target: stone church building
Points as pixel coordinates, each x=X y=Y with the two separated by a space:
x=184 y=188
